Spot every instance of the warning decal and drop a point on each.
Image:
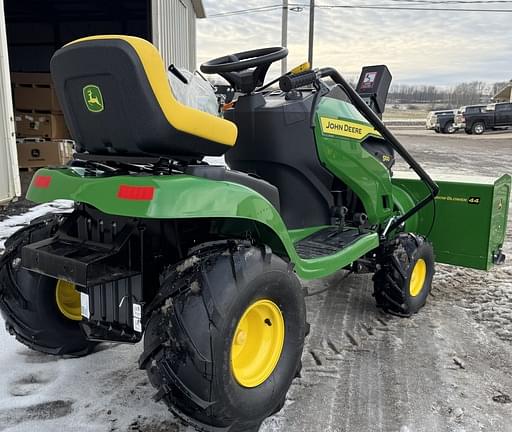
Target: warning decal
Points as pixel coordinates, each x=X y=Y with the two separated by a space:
x=368 y=80
x=346 y=128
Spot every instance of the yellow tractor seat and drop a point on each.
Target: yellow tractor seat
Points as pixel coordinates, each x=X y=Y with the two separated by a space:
x=117 y=100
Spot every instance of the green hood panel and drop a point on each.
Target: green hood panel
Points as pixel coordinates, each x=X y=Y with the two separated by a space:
x=187 y=197
x=339 y=133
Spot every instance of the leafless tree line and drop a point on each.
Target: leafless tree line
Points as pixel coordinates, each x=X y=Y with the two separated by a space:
x=466 y=93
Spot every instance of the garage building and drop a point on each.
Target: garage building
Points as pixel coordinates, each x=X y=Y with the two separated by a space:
x=32 y=30
x=505 y=94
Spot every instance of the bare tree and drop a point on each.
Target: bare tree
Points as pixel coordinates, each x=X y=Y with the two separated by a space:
x=465 y=93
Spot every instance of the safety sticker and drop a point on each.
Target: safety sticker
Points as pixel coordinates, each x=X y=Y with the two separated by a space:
x=84 y=305
x=137 y=316
x=369 y=80
x=347 y=129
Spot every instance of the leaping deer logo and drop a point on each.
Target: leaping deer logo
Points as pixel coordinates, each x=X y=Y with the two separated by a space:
x=93 y=98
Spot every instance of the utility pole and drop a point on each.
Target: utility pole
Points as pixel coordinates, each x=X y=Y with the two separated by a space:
x=284 y=35
x=311 y=30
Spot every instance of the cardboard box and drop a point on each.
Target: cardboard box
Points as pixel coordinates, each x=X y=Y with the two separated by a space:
x=41 y=154
x=34 y=92
x=33 y=124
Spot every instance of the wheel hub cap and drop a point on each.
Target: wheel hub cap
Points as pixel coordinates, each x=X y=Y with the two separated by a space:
x=418 y=276
x=257 y=343
x=68 y=300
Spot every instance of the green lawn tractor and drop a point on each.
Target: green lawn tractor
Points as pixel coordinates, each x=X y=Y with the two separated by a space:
x=204 y=261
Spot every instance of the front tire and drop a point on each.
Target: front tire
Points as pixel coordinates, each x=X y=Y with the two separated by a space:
x=404 y=280
x=224 y=347
x=38 y=309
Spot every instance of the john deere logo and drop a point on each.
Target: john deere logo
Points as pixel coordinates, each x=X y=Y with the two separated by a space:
x=93 y=98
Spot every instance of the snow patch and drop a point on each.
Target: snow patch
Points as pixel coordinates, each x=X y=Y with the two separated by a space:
x=12 y=224
x=189 y=262
x=167 y=305
x=195 y=288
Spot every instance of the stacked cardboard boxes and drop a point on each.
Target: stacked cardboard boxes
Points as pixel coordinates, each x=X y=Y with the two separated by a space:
x=37 y=152
x=38 y=115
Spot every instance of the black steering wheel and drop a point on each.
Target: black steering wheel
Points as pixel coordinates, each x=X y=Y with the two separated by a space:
x=236 y=68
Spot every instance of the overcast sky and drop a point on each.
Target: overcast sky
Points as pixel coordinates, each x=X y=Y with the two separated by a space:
x=425 y=47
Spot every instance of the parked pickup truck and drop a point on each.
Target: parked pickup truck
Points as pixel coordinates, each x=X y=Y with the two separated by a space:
x=493 y=116
x=460 y=122
x=441 y=121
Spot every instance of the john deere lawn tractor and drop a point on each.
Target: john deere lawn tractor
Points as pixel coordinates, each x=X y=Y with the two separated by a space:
x=204 y=261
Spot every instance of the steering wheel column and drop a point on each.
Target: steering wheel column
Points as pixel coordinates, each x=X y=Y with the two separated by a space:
x=246 y=70
x=246 y=81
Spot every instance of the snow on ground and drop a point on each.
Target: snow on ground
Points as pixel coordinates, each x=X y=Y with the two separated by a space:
x=102 y=392
x=12 y=224
x=449 y=368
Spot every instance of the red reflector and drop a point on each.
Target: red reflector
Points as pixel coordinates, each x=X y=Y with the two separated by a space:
x=136 y=193
x=42 y=181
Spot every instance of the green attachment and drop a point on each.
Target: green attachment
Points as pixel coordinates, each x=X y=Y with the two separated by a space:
x=187 y=197
x=470 y=216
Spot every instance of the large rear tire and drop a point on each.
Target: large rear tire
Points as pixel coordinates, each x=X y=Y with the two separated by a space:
x=449 y=128
x=223 y=348
x=478 y=128
x=404 y=280
x=37 y=309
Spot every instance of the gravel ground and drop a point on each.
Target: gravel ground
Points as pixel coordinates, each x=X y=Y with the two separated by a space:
x=449 y=368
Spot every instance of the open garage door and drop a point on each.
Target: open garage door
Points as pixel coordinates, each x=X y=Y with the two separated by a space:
x=35 y=29
x=9 y=179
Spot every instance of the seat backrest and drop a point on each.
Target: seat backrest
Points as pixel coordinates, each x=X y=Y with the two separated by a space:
x=117 y=100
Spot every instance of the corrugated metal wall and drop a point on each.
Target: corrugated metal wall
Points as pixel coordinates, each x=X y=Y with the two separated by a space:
x=174 y=31
x=9 y=178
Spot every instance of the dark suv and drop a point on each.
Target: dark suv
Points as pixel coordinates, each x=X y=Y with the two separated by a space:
x=491 y=117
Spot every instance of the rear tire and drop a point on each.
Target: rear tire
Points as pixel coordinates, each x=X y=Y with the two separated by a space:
x=478 y=128
x=468 y=131
x=28 y=300
x=402 y=284
x=192 y=341
x=449 y=128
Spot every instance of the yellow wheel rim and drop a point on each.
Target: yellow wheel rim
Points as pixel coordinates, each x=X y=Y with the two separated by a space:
x=68 y=300
x=418 y=276
x=257 y=343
